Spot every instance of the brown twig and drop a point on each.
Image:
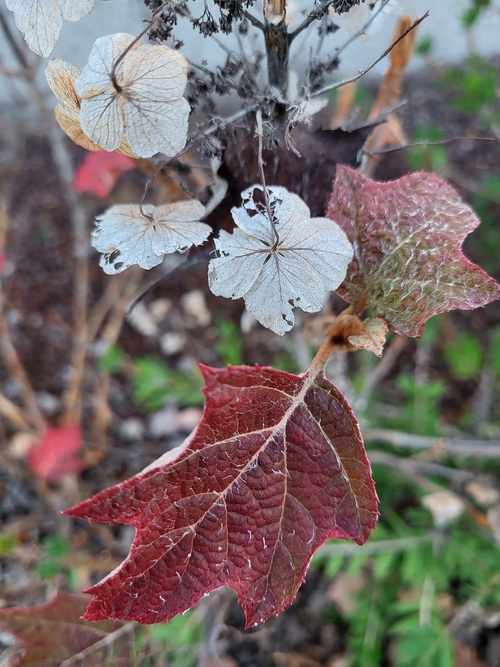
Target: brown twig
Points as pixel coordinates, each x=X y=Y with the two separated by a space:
x=361 y=73
x=110 y=643
x=425 y=143
x=389 y=92
x=16 y=370
x=111 y=331
x=418 y=468
x=72 y=398
x=14 y=414
x=449 y=446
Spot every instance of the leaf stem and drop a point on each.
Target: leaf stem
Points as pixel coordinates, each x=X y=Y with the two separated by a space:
x=122 y=55
x=336 y=339
x=260 y=132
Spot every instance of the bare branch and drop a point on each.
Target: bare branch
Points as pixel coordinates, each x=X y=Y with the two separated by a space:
x=253 y=20
x=361 y=73
x=425 y=143
x=450 y=446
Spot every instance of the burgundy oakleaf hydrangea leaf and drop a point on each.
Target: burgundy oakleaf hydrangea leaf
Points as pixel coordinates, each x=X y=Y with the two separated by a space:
x=53 y=632
x=407 y=236
x=275 y=468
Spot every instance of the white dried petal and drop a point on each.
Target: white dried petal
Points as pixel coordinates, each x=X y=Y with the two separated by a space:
x=74 y=10
x=61 y=77
x=127 y=234
x=292 y=261
x=138 y=98
x=40 y=21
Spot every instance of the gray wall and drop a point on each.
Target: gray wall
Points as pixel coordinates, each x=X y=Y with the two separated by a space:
x=450 y=42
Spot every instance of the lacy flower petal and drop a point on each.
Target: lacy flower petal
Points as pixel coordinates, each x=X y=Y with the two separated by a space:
x=127 y=234
x=61 y=77
x=133 y=92
x=279 y=263
x=40 y=21
x=74 y=10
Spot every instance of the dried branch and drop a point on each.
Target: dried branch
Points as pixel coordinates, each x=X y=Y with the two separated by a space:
x=448 y=446
x=111 y=331
x=362 y=73
x=16 y=370
x=425 y=143
x=72 y=398
x=14 y=414
x=111 y=643
x=417 y=468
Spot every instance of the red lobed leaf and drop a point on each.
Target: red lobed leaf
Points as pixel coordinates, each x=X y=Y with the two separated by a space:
x=275 y=467
x=407 y=237
x=54 y=456
x=99 y=172
x=53 y=632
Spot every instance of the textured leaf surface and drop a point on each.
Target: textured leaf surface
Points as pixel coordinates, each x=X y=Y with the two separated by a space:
x=145 y=107
x=275 y=468
x=128 y=234
x=407 y=237
x=279 y=263
x=53 y=632
x=40 y=21
x=55 y=455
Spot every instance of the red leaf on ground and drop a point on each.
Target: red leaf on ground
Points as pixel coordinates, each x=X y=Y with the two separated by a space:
x=275 y=467
x=100 y=171
x=53 y=632
x=407 y=237
x=53 y=457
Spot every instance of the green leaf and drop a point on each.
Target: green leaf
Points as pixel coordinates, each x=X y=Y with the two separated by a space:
x=47 y=569
x=56 y=546
x=8 y=542
x=153 y=382
x=111 y=360
x=464 y=356
x=230 y=343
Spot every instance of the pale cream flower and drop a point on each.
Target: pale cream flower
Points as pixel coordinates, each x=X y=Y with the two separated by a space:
x=134 y=94
x=40 y=21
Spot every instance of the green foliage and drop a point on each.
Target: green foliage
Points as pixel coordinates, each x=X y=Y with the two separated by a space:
x=421 y=404
x=425 y=46
x=179 y=639
x=111 y=360
x=56 y=549
x=421 y=646
x=405 y=572
x=230 y=343
x=428 y=158
x=495 y=350
x=483 y=244
x=473 y=12
x=153 y=383
x=8 y=542
x=464 y=356
x=473 y=86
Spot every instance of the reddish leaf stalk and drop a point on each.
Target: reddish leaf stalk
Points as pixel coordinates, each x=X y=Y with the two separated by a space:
x=336 y=339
